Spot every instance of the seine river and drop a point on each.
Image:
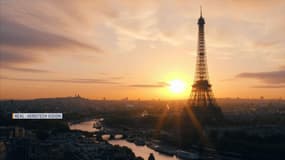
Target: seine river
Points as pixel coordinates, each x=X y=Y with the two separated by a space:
x=142 y=151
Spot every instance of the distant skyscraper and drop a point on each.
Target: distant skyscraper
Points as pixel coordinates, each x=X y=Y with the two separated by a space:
x=202 y=98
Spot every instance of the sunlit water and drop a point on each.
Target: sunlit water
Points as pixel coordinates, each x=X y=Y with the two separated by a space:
x=142 y=151
x=84 y=126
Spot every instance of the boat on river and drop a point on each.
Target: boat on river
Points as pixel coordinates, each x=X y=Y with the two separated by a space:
x=161 y=149
x=139 y=142
x=186 y=155
x=97 y=125
x=130 y=139
x=165 y=150
x=152 y=145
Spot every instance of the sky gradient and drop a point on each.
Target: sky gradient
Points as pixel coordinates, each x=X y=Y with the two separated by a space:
x=127 y=48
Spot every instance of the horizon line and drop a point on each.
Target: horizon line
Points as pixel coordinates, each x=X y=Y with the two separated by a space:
x=136 y=99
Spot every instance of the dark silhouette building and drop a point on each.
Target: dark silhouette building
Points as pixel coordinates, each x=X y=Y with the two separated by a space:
x=202 y=101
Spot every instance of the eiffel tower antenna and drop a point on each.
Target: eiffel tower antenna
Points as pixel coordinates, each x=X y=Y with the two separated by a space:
x=201 y=11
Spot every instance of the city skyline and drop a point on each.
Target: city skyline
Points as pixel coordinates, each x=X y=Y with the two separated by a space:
x=141 y=49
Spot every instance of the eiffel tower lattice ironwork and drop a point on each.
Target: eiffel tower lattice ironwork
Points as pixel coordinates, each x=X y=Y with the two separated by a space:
x=201 y=94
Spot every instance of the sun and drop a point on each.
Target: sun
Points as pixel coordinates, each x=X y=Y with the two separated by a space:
x=177 y=86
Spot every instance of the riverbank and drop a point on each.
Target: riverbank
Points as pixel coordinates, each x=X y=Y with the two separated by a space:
x=141 y=151
x=145 y=138
x=139 y=144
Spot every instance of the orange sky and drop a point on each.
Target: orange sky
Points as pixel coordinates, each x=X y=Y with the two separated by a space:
x=118 y=49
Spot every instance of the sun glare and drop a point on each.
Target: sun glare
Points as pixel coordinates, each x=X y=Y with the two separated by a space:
x=177 y=86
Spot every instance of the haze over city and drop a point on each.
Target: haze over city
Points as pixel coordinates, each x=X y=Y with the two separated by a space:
x=140 y=49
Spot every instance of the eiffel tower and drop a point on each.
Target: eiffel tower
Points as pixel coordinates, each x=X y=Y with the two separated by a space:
x=202 y=101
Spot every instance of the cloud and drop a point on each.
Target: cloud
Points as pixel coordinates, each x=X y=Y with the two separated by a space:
x=282 y=67
x=117 y=77
x=10 y=57
x=156 y=22
x=19 y=35
x=275 y=77
x=80 y=80
x=157 y=85
x=269 y=86
x=21 y=44
x=268 y=43
x=256 y=4
x=20 y=69
x=111 y=80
